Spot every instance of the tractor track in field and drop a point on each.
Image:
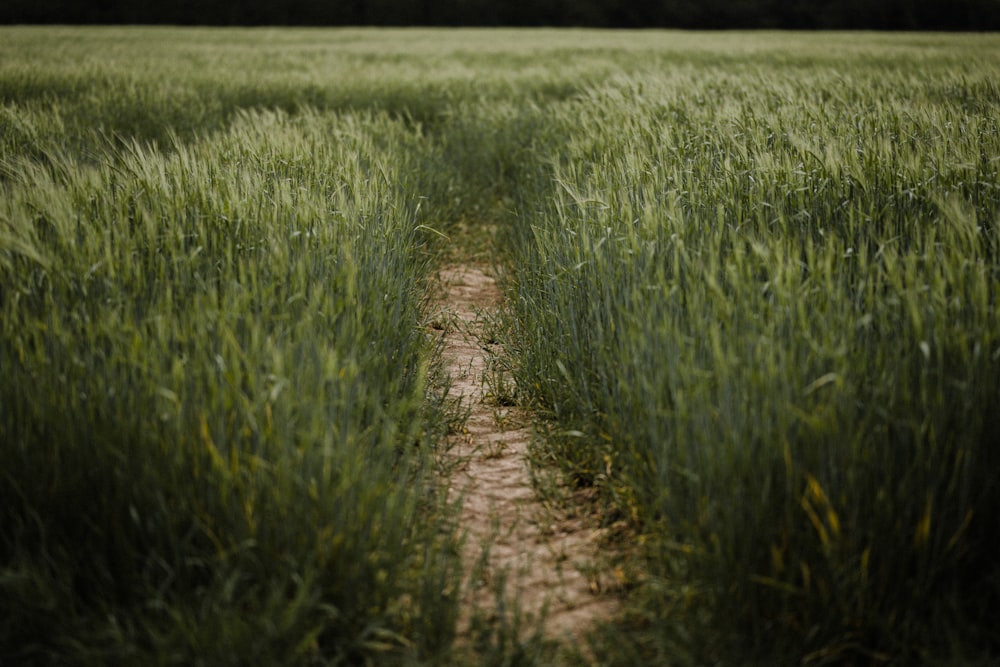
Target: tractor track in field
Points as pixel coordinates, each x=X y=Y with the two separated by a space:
x=546 y=556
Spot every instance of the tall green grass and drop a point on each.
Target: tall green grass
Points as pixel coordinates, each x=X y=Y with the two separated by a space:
x=752 y=279
x=216 y=442
x=762 y=305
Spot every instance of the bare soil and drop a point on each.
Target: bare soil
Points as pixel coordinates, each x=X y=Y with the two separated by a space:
x=549 y=555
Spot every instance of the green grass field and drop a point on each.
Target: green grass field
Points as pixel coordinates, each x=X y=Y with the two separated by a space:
x=752 y=286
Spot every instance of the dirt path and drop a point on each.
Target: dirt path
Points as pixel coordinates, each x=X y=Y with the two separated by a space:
x=540 y=551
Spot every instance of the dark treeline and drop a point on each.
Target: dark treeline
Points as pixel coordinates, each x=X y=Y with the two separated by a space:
x=806 y=14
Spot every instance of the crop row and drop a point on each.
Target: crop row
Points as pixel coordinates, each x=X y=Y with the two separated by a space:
x=762 y=308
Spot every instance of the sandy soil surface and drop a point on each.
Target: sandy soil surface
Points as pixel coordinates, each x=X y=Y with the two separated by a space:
x=546 y=554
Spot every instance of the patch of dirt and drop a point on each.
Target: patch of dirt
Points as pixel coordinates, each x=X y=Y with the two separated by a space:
x=546 y=554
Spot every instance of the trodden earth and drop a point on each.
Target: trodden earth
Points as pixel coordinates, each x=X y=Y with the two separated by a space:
x=520 y=549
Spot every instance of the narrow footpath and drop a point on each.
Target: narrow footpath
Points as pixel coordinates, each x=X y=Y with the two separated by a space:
x=548 y=556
